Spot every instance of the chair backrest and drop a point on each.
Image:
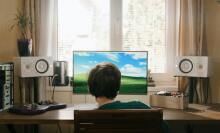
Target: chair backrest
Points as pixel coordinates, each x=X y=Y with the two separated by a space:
x=118 y=121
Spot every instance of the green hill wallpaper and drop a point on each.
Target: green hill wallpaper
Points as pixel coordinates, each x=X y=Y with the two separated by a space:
x=129 y=85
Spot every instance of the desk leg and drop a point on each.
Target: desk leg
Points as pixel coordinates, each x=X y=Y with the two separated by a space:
x=11 y=128
x=189 y=128
x=35 y=128
x=26 y=129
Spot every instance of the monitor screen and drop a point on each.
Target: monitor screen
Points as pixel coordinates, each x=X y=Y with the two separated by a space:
x=132 y=64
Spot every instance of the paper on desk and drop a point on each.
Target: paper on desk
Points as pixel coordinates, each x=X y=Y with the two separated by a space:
x=198 y=106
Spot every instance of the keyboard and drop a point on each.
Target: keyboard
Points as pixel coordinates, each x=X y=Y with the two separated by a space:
x=34 y=109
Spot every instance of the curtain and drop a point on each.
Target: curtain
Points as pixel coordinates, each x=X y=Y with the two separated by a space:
x=48 y=28
x=192 y=41
x=43 y=32
x=31 y=9
x=47 y=37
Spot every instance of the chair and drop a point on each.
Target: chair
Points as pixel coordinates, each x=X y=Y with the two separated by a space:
x=118 y=121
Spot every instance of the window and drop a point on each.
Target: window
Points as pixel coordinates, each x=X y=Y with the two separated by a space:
x=118 y=25
x=143 y=25
x=82 y=25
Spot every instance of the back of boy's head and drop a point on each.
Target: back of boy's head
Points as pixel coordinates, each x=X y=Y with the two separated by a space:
x=104 y=80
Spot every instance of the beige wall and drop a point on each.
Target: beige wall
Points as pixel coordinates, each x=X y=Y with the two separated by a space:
x=8 y=9
x=213 y=40
x=8 y=44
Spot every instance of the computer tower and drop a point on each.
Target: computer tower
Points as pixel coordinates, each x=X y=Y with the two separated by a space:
x=60 y=74
x=6 y=85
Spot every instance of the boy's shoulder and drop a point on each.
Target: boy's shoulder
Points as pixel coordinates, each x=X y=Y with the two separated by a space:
x=125 y=105
x=138 y=105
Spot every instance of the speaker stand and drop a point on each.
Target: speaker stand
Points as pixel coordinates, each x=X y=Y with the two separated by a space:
x=192 y=88
x=28 y=90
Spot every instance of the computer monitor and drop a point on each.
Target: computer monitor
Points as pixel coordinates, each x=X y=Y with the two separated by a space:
x=132 y=64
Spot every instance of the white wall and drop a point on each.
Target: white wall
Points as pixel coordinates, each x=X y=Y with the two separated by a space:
x=70 y=98
x=64 y=94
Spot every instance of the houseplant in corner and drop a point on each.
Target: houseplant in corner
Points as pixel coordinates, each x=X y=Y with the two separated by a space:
x=24 y=43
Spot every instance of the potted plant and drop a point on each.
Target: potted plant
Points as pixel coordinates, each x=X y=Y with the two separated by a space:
x=24 y=43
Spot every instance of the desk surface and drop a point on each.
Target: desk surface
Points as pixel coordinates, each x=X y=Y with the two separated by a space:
x=195 y=114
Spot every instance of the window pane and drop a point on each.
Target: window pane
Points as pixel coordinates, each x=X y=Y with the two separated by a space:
x=144 y=29
x=82 y=25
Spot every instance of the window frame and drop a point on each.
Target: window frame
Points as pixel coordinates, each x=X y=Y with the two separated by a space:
x=171 y=36
x=172 y=9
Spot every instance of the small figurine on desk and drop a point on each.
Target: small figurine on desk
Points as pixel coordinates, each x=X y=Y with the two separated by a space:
x=164 y=93
x=150 y=79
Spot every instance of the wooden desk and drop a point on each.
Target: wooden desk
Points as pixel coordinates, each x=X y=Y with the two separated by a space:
x=62 y=116
x=194 y=115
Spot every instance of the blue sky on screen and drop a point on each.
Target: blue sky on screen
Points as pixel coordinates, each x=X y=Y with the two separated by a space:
x=130 y=63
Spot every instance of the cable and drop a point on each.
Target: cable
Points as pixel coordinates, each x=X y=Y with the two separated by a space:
x=52 y=98
x=207 y=90
x=52 y=81
x=195 y=82
x=59 y=127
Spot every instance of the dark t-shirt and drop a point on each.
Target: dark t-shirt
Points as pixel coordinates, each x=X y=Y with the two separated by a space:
x=125 y=105
x=132 y=105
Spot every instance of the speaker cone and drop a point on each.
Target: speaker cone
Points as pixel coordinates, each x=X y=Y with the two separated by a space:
x=41 y=66
x=185 y=66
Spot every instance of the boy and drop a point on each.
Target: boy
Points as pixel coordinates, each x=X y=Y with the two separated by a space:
x=104 y=83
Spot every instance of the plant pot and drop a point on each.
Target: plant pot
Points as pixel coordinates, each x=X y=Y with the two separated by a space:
x=24 y=47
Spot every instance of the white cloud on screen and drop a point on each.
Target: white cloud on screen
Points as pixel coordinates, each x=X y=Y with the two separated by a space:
x=85 y=66
x=93 y=62
x=142 y=63
x=130 y=70
x=112 y=56
x=137 y=55
x=82 y=54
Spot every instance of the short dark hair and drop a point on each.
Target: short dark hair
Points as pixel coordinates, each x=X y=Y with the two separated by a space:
x=104 y=80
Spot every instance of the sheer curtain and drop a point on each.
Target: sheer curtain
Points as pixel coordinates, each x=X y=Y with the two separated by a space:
x=47 y=45
x=48 y=29
x=31 y=9
x=43 y=15
x=192 y=40
x=43 y=32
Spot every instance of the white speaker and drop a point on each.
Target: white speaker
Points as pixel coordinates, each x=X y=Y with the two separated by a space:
x=192 y=66
x=32 y=66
